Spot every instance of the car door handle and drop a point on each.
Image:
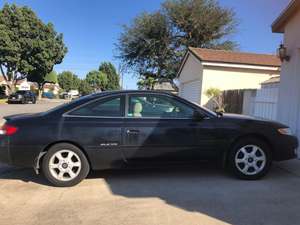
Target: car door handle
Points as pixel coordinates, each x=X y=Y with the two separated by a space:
x=132 y=131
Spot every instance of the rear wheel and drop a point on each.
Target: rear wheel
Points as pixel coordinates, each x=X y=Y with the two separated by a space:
x=250 y=159
x=65 y=165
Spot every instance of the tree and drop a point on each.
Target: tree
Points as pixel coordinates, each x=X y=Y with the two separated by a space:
x=68 y=81
x=51 y=77
x=201 y=23
x=85 y=88
x=215 y=95
x=28 y=47
x=113 y=78
x=154 y=44
x=97 y=80
x=146 y=83
x=146 y=48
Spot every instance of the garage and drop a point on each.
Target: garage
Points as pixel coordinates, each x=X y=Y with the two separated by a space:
x=191 y=91
x=202 y=69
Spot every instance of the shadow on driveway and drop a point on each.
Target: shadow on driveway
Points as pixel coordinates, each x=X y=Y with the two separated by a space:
x=206 y=189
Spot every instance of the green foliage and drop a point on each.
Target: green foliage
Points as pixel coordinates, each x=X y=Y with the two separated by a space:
x=85 y=88
x=28 y=47
x=146 y=83
x=213 y=92
x=51 y=77
x=215 y=95
x=154 y=44
x=201 y=23
x=68 y=81
x=97 y=80
x=113 y=78
x=146 y=48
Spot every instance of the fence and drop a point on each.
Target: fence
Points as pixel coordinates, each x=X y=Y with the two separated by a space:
x=233 y=101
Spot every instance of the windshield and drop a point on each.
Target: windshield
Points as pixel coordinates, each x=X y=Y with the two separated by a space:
x=21 y=92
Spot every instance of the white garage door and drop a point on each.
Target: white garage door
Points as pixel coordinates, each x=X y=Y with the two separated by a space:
x=191 y=91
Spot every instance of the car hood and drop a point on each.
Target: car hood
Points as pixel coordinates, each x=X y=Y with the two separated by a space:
x=246 y=117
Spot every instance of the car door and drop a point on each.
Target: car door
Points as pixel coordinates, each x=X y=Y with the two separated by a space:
x=98 y=127
x=161 y=128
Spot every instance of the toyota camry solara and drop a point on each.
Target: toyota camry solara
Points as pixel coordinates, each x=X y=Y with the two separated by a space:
x=139 y=128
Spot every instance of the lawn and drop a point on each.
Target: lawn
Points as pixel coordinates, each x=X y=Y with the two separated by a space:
x=3 y=101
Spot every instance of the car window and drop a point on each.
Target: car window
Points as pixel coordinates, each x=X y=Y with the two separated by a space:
x=21 y=92
x=102 y=108
x=158 y=106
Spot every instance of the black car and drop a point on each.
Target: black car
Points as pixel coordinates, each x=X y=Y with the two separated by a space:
x=22 y=97
x=139 y=128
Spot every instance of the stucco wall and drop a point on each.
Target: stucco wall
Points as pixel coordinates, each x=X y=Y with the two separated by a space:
x=289 y=91
x=232 y=78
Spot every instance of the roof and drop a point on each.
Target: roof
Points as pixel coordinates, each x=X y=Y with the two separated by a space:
x=222 y=56
x=164 y=86
x=272 y=80
x=279 y=24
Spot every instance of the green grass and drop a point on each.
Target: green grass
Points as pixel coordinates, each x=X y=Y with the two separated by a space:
x=3 y=101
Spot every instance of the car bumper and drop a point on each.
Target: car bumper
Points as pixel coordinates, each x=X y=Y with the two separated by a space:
x=285 y=148
x=4 y=151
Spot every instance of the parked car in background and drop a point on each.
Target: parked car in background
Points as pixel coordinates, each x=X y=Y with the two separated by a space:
x=140 y=128
x=23 y=97
x=72 y=94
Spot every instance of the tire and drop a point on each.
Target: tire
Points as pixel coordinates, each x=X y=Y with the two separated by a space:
x=250 y=159
x=62 y=171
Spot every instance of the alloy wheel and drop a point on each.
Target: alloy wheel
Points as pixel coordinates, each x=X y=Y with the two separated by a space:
x=65 y=165
x=250 y=160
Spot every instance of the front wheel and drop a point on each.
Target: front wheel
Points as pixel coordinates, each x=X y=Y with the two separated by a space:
x=65 y=165
x=250 y=159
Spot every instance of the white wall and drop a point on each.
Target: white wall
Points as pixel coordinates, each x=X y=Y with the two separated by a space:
x=192 y=71
x=289 y=91
x=232 y=78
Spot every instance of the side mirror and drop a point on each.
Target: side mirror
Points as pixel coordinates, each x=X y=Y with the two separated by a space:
x=198 y=116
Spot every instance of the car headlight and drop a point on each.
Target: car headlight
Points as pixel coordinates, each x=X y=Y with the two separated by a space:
x=285 y=131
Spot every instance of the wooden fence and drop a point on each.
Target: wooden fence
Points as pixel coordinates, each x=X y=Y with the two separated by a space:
x=233 y=101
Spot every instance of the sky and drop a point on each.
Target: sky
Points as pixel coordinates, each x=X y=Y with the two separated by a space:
x=91 y=28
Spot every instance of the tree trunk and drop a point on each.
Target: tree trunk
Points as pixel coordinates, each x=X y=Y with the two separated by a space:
x=11 y=87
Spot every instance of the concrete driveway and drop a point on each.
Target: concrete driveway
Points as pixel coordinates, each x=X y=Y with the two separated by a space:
x=191 y=196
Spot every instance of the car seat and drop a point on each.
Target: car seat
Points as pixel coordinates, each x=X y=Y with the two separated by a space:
x=137 y=109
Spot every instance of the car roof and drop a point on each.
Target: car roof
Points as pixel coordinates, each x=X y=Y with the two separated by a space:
x=131 y=92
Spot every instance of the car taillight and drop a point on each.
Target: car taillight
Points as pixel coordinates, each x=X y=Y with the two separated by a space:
x=8 y=130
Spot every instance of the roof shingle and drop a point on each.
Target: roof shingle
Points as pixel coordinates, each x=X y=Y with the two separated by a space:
x=222 y=56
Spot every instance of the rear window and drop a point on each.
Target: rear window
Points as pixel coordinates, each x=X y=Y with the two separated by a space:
x=111 y=107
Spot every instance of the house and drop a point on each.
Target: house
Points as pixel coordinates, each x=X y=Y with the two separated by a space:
x=25 y=85
x=164 y=85
x=202 y=69
x=288 y=23
x=51 y=87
